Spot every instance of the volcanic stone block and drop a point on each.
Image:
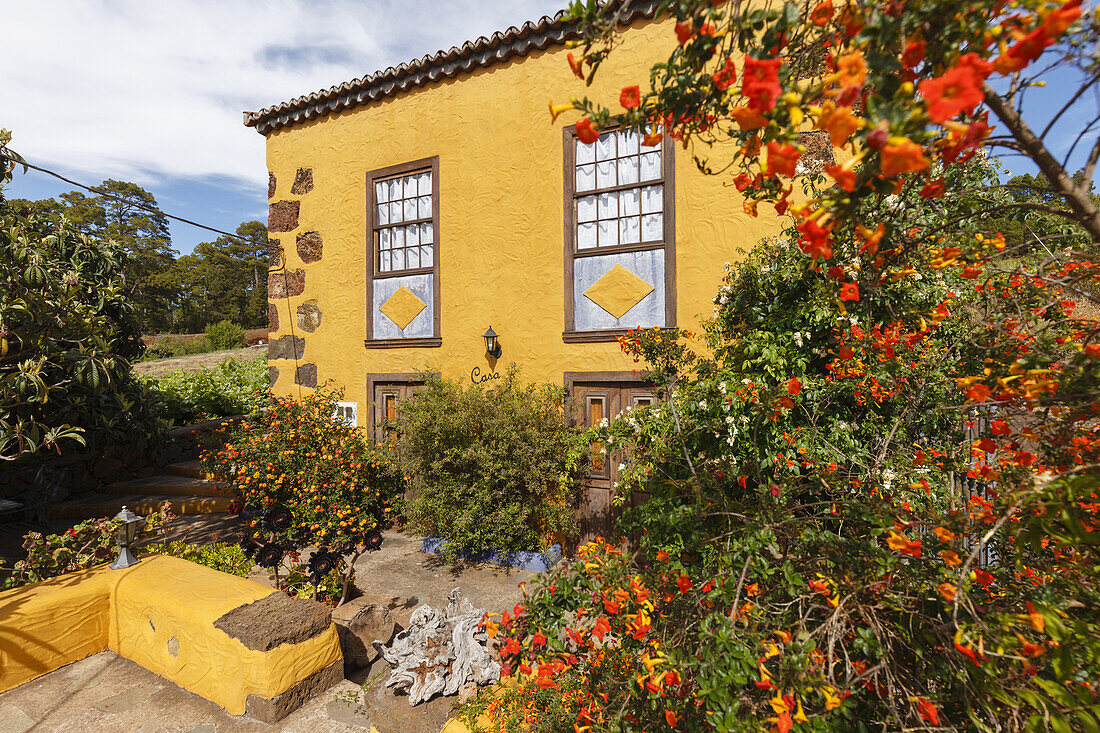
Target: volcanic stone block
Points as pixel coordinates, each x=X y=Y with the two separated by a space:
x=309 y=316
x=272 y=710
x=275 y=619
x=306 y=375
x=282 y=284
x=272 y=317
x=272 y=375
x=287 y=347
x=283 y=216
x=303 y=182
x=274 y=253
x=818 y=155
x=309 y=246
x=270 y=185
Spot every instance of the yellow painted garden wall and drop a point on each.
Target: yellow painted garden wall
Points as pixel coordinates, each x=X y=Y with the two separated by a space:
x=500 y=219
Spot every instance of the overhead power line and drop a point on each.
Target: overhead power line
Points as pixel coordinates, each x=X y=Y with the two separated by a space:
x=151 y=209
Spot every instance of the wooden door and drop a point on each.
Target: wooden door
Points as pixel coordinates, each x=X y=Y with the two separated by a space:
x=596 y=402
x=387 y=401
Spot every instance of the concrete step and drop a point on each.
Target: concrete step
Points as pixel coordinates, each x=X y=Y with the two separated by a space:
x=165 y=484
x=108 y=505
x=192 y=469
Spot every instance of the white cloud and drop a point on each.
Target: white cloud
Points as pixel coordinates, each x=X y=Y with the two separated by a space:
x=147 y=90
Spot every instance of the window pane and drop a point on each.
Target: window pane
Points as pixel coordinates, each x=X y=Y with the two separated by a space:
x=384 y=239
x=628 y=170
x=383 y=214
x=651 y=166
x=628 y=142
x=651 y=227
x=609 y=233
x=426 y=256
x=586 y=208
x=412 y=257
x=424 y=207
x=412 y=235
x=384 y=261
x=586 y=153
x=410 y=187
x=410 y=209
x=424 y=184
x=628 y=230
x=651 y=199
x=605 y=146
x=605 y=174
x=395 y=189
x=628 y=202
x=427 y=236
x=586 y=177
x=586 y=236
x=381 y=192
x=608 y=205
x=395 y=212
x=398 y=237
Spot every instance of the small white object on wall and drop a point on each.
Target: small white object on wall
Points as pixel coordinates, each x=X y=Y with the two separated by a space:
x=346 y=413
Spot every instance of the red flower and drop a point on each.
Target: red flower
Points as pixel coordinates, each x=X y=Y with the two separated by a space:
x=630 y=97
x=511 y=647
x=685 y=29
x=725 y=76
x=978 y=393
x=586 y=133
x=957 y=90
x=849 y=291
x=844 y=178
x=913 y=54
x=539 y=639
x=822 y=14
x=933 y=189
x=816 y=240
x=602 y=627
x=684 y=583
x=575 y=65
x=782 y=159
x=999 y=427
x=905 y=156
x=760 y=82
x=671 y=719
x=794 y=386
x=969 y=654
x=928 y=712
x=611 y=607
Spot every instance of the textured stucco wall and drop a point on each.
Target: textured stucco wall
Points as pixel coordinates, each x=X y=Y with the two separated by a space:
x=501 y=219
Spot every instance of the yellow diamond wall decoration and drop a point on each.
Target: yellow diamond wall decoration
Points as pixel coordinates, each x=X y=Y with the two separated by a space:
x=618 y=291
x=402 y=307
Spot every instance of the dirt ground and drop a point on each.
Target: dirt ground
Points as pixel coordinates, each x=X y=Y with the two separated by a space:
x=194 y=361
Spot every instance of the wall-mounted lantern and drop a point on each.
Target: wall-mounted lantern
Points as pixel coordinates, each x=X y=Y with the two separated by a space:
x=127 y=533
x=492 y=347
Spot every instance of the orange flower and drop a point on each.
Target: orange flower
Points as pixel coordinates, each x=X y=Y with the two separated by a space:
x=782 y=159
x=947 y=591
x=913 y=54
x=844 y=177
x=944 y=534
x=849 y=291
x=748 y=118
x=851 y=70
x=822 y=14
x=630 y=97
x=671 y=719
x=933 y=189
x=978 y=393
x=662 y=556
x=602 y=627
x=816 y=240
x=1037 y=621
x=904 y=156
x=794 y=386
x=950 y=558
x=651 y=139
x=575 y=65
x=557 y=109
x=760 y=82
x=839 y=122
x=684 y=583
x=725 y=76
x=685 y=29
x=586 y=133
x=956 y=90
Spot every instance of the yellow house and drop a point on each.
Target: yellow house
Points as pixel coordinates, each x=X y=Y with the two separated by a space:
x=416 y=208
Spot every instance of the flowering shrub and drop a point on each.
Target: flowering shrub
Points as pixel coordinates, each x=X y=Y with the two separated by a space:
x=82 y=546
x=877 y=493
x=491 y=467
x=306 y=480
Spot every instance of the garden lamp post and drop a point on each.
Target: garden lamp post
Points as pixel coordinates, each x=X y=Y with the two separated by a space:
x=127 y=533
x=492 y=347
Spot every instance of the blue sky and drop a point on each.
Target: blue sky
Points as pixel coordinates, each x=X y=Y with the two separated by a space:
x=153 y=92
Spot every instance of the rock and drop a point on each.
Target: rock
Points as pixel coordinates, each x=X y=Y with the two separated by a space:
x=390 y=712
x=467 y=692
x=440 y=651
x=360 y=622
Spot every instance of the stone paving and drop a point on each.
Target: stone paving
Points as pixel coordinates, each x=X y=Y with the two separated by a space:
x=105 y=692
